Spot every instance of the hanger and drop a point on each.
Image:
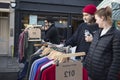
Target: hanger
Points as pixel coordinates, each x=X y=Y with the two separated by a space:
x=46 y=51
x=65 y=57
x=43 y=47
x=72 y=55
x=53 y=54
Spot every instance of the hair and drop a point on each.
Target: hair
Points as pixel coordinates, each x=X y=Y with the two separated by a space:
x=106 y=13
x=50 y=19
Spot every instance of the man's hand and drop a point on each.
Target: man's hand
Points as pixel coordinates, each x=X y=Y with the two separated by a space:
x=89 y=38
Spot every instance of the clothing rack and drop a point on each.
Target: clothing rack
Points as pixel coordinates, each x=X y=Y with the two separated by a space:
x=63 y=59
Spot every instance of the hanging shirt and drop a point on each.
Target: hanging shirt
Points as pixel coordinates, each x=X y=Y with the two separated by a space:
x=49 y=73
x=35 y=66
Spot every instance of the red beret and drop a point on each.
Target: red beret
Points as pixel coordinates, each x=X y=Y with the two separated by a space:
x=91 y=9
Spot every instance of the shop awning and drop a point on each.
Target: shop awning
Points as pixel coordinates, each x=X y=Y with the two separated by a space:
x=114 y=4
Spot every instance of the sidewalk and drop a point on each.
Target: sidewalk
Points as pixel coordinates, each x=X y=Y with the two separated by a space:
x=9 y=68
x=8 y=75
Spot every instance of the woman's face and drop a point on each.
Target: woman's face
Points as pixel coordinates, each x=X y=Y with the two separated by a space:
x=99 y=20
x=87 y=17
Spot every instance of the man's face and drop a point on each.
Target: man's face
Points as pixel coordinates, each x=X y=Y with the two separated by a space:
x=87 y=17
x=46 y=26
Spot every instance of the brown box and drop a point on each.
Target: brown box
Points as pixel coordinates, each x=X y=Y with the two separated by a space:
x=34 y=33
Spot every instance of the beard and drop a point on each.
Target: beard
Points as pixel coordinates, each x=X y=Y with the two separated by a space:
x=90 y=20
x=86 y=20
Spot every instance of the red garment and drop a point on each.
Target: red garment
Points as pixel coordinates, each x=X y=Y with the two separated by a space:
x=38 y=72
x=49 y=73
x=21 y=46
x=85 y=74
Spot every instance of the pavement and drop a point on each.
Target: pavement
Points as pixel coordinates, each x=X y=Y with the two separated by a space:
x=9 y=68
x=8 y=75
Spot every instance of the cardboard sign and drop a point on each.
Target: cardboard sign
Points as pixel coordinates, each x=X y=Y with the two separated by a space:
x=34 y=33
x=69 y=71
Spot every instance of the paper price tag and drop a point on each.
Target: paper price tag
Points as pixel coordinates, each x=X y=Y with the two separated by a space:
x=69 y=71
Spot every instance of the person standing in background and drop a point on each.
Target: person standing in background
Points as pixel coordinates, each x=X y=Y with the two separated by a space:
x=51 y=32
x=103 y=59
x=84 y=33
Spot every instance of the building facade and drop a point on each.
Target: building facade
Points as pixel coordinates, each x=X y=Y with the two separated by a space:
x=6 y=28
x=67 y=13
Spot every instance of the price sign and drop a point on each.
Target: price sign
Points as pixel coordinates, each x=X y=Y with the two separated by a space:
x=69 y=71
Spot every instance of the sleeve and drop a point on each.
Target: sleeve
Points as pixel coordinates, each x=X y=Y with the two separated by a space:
x=73 y=40
x=114 y=71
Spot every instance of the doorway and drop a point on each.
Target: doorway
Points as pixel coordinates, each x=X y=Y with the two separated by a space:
x=4 y=35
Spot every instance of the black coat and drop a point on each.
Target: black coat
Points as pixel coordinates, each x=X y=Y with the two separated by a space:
x=103 y=58
x=78 y=38
x=52 y=35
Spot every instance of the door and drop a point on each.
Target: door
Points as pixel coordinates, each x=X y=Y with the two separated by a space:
x=4 y=35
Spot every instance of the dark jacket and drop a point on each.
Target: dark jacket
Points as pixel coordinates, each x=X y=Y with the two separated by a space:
x=52 y=35
x=103 y=59
x=78 y=38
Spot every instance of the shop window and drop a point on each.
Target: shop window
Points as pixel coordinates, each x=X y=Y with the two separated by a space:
x=76 y=21
x=61 y=23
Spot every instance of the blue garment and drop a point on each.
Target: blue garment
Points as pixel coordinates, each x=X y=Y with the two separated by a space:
x=33 y=57
x=35 y=66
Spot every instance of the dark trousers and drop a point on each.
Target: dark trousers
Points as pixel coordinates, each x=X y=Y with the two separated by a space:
x=22 y=73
